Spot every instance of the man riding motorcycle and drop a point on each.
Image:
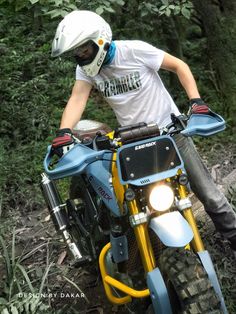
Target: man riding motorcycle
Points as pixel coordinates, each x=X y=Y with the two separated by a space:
x=126 y=74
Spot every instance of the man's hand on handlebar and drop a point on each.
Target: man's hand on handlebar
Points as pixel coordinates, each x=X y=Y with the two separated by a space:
x=62 y=142
x=198 y=106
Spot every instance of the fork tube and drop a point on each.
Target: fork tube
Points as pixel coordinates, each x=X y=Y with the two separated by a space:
x=188 y=214
x=143 y=240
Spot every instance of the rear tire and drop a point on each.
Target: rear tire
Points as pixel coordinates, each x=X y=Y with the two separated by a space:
x=189 y=288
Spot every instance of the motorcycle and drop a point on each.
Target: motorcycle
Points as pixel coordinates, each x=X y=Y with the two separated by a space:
x=130 y=212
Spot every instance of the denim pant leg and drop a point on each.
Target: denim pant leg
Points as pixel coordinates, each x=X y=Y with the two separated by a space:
x=203 y=186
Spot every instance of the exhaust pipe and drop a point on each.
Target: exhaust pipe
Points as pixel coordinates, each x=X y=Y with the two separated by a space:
x=58 y=213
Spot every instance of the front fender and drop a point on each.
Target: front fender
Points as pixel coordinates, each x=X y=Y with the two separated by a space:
x=172 y=229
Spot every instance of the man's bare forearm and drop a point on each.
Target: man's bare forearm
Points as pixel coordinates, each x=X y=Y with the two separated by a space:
x=187 y=81
x=72 y=114
x=76 y=104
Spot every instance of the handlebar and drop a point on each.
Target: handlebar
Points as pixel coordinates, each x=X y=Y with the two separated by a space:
x=197 y=124
x=139 y=131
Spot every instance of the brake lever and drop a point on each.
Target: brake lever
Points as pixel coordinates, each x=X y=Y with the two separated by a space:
x=175 y=131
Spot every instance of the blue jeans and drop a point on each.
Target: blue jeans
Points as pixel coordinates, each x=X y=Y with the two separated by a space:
x=203 y=186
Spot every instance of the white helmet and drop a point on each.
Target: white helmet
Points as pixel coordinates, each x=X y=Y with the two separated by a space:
x=81 y=27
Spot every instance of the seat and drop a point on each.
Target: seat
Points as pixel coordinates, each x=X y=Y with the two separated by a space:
x=89 y=128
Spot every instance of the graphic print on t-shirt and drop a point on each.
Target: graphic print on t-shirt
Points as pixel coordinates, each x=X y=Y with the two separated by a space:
x=121 y=85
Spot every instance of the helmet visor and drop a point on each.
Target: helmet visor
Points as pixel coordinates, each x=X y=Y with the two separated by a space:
x=86 y=53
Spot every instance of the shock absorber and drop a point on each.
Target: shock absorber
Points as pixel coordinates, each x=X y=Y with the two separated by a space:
x=58 y=213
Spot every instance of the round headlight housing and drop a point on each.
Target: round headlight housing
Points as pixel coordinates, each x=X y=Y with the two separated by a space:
x=161 y=197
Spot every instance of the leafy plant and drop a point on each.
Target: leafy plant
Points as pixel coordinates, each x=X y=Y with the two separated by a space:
x=176 y=7
x=19 y=297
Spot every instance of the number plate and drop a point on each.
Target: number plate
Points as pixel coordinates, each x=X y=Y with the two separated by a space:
x=145 y=158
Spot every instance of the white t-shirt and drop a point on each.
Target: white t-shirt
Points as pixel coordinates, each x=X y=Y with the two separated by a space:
x=132 y=86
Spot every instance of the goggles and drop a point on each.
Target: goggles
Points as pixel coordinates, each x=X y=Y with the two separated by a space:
x=85 y=53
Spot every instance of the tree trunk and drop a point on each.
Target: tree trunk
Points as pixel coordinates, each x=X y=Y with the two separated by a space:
x=219 y=23
x=174 y=45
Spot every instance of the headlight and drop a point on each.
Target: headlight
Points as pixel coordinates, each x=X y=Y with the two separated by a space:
x=161 y=197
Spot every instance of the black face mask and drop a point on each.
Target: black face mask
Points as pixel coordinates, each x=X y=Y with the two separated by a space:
x=86 y=53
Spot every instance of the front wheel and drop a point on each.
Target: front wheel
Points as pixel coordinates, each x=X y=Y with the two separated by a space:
x=189 y=288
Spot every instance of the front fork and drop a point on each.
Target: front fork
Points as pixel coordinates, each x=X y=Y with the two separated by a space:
x=143 y=240
x=196 y=243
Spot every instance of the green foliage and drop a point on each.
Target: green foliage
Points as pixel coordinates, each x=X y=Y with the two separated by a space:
x=30 y=104
x=59 y=8
x=54 y=8
x=176 y=7
x=19 y=294
x=3 y=168
x=167 y=8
